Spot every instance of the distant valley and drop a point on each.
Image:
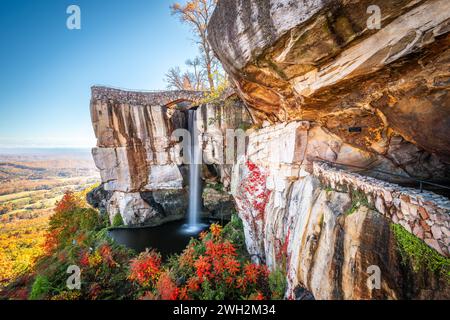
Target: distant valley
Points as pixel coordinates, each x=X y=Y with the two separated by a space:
x=31 y=182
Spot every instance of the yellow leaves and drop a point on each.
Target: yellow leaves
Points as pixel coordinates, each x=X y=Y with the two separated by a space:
x=191 y=6
x=20 y=245
x=95 y=259
x=176 y=7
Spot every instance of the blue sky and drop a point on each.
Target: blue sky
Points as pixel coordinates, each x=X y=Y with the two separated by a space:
x=46 y=70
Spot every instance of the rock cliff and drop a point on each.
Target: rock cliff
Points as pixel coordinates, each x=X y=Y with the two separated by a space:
x=319 y=61
x=141 y=159
x=351 y=110
x=345 y=126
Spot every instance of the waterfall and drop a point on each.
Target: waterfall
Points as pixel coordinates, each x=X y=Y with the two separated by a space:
x=195 y=160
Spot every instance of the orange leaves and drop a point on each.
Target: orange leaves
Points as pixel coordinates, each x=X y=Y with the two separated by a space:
x=176 y=7
x=69 y=202
x=219 y=263
x=203 y=235
x=213 y=268
x=146 y=268
x=193 y=284
x=51 y=241
x=203 y=267
x=187 y=257
x=216 y=230
x=167 y=288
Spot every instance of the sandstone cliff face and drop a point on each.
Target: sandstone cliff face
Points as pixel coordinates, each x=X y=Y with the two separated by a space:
x=135 y=154
x=337 y=92
x=327 y=227
x=319 y=61
x=215 y=122
x=140 y=159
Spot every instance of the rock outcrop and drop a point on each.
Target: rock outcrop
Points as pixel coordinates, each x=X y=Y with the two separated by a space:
x=340 y=120
x=135 y=152
x=140 y=156
x=347 y=109
x=327 y=227
x=322 y=61
x=215 y=121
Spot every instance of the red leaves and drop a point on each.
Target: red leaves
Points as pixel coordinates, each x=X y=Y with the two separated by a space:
x=193 y=284
x=252 y=197
x=68 y=203
x=251 y=273
x=107 y=255
x=94 y=291
x=167 y=288
x=209 y=268
x=84 y=260
x=253 y=191
x=187 y=257
x=51 y=241
x=145 y=269
x=281 y=249
x=221 y=256
x=203 y=268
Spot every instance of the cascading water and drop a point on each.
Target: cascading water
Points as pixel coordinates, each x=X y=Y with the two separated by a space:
x=195 y=158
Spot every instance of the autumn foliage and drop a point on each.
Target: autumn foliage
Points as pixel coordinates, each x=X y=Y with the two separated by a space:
x=214 y=266
x=146 y=268
x=209 y=268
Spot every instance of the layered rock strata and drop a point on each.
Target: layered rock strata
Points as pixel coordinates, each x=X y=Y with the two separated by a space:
x=301 y=215
x=323 y=61
x=140 y=155
x=356 y=85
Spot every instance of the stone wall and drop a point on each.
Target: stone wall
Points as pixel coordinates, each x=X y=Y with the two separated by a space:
x=150 y=98
x=425 y=214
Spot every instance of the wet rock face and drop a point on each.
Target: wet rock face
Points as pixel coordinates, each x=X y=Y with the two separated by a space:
x=318 y=61
x=214 y=121
x=218 y=203
x=99 y=198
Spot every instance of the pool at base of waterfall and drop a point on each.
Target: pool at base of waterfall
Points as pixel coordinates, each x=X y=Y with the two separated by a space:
x=169 y=238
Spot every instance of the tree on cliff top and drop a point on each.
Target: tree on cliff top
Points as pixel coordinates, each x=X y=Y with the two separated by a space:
x=196 y=13
x=189 y=80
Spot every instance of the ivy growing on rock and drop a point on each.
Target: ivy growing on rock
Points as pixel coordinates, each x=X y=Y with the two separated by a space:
x=418 y=254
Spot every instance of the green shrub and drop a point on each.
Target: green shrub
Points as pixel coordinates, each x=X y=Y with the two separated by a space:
x=41 y=288
x=117 y=220
x=234 y=232
x=417 y=253
x=359 y=199
x=216 y=186
x=277 y=284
